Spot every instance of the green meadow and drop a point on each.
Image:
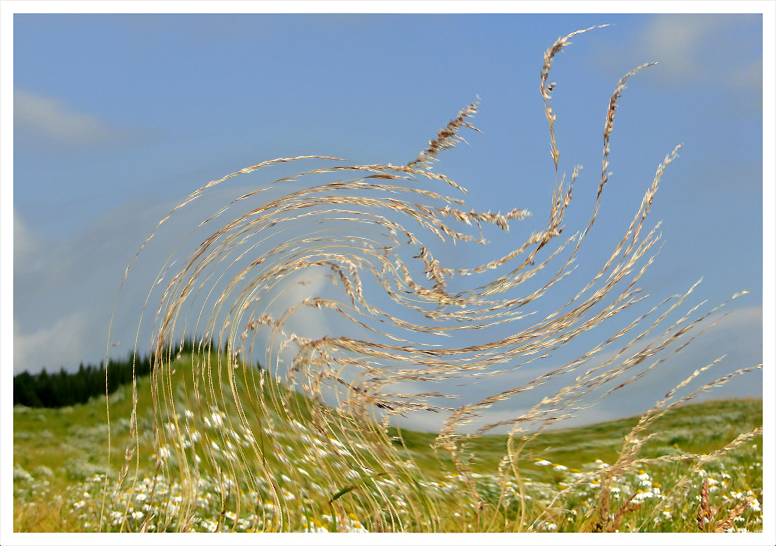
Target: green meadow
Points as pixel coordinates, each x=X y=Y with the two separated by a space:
x=678 y=482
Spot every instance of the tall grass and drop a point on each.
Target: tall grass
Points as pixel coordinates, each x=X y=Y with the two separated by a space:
x=335 y=286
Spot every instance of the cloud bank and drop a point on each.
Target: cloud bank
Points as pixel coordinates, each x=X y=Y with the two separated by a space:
x=50 y=121
x=699 y=50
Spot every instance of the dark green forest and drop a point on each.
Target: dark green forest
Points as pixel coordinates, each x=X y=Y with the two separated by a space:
x=63 y=388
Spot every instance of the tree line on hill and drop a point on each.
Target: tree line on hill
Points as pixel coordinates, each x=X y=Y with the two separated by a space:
x=55 y=390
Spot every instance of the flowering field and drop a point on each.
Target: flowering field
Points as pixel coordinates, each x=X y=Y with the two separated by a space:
x=567 y=479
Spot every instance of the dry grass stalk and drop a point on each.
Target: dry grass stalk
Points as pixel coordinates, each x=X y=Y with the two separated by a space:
x=724 y=524
x=359 y=237
x=705 y=515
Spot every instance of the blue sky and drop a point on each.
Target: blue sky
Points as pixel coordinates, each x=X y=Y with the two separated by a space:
x=117 y=118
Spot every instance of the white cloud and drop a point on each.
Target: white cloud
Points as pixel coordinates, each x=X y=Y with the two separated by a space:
x=749 y=76
x=720 y=51
x=25 y=245
x=63 y=341
x=704 y=49
x=677 y=41
x=56 y=123
x=64 y=290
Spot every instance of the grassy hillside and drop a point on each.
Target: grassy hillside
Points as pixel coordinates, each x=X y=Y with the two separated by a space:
x=60 y=457
x=210 y=443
